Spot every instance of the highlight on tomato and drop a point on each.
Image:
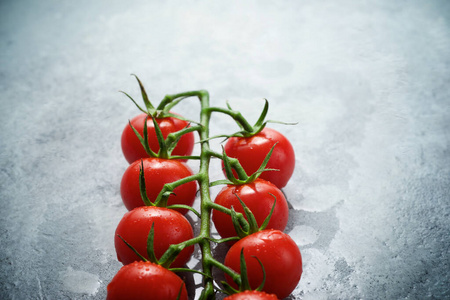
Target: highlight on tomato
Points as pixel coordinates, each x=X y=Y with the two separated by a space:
x=279 y=255
x=259 y=196
x=170 y=227
x=157 y=173
x=145 y=280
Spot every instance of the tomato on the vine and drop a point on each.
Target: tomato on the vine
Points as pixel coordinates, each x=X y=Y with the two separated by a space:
x=157 y=172
x=252 y=295
x=146 y=280
x=279 y=255
x=170 y=227
x=259 y=196
x=251 y=151
x=132 y=148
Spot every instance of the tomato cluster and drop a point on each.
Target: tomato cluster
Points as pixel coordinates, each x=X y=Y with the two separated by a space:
x=154 y=239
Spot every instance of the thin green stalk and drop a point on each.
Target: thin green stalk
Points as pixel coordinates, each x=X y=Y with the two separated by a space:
x=202 y=177
x=233 y=162
x=205 y=225
x=237 y=116
x=168 y=188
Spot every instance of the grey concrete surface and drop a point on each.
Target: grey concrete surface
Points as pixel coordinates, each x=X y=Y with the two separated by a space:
x=367 y=82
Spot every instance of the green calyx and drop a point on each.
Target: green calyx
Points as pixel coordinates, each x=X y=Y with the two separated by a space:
x=247 y=130
x=150 y=248
x=166 y=146
x=168 y=257
x=163 y=196
x=242 y=177
x=162 y=111
x=249 y=227
x=243 y=283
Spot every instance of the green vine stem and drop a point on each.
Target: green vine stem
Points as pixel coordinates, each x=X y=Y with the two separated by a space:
x=202 y=177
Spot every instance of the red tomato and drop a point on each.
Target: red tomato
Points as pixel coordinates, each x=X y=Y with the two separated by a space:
x=145 y=280
x=132 y=147
x=157 y=172
x=257 y=198
x=252 y=295
x=279 y=255
x=251 y=152
x=170 y=227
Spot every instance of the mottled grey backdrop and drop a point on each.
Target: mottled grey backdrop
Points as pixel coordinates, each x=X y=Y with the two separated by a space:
x=367 y=82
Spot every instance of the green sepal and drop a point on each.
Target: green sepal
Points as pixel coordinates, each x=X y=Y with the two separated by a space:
x=173 y=139
x=166 y=146
x=142 y=187
x=245 y=284
x=132 y=248
x=143 y=139
x=135 y=103
x=259 y=125
x=267 y=219
x=163 y=152
x=228 y=105
x=150 y=108
x=150 y=245
x=241 y=226
x=261 y=286
x=179 y=292
x=253 y=225
x=262 y=167
x=242 y=176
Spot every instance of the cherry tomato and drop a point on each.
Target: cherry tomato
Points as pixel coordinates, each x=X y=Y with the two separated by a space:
x=279 y=255
x=170 y=227
x=251 y=152
x=145 y=280
x=257 y=197
x=157 y=172
x=132 y=147
x=252 y=295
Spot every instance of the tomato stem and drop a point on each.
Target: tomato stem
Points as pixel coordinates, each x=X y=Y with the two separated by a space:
x=168 y=188
x=236 y=115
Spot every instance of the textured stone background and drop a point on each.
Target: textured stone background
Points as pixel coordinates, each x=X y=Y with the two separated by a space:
x=367 y=82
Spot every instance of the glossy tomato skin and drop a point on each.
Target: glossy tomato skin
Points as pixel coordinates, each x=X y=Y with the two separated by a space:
x=279 y=255
x=157 y=172
x=252 y=295
x=257 y=197
x=170 y=227
x=145 y=280
x=132 y=148
x=251 y=152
